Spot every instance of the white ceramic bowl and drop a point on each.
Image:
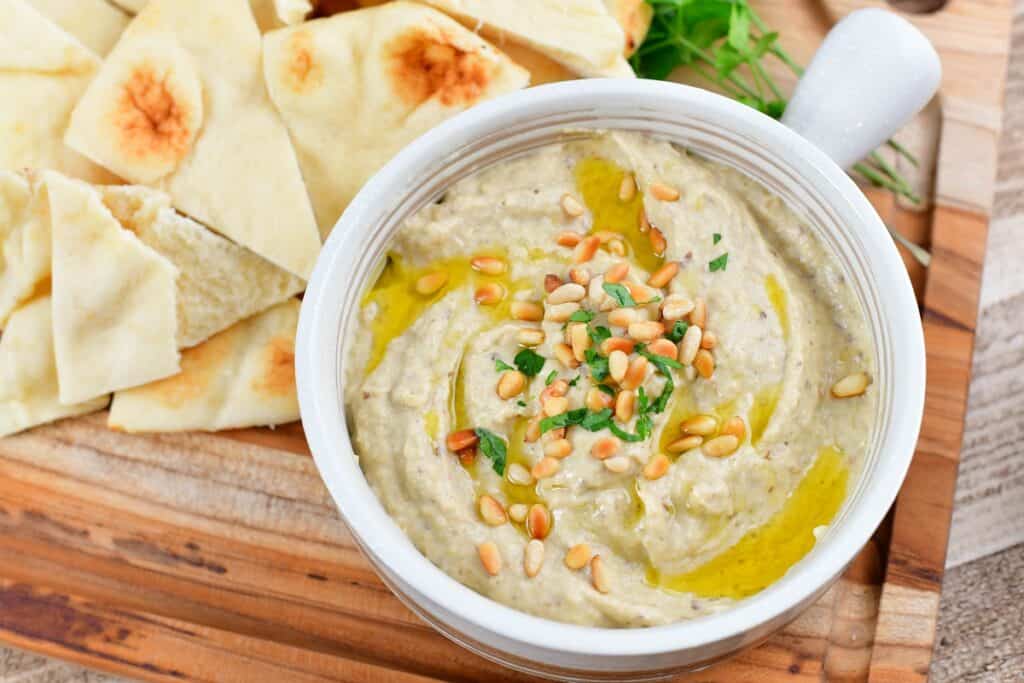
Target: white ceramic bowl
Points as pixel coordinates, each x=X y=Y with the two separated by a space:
x=717 y=128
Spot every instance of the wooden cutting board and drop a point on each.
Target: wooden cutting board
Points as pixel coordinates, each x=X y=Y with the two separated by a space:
x=221 y=557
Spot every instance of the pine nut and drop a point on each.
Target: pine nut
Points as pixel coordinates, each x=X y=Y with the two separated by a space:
x=569 y=292
x=532 y=430
x=530 y=336
x=687 y=443
x=599 y=575
x=559 y=448
x=721 y=446
x=605 y=447
x=564 y=355
x=559 y=313
x=490 y=557
x=596 y=400
x=636 y=373
x=538 y=521
x=664 y=275
x=571 y=206
x=519 y=475
x=690 y=344
x=627 y=188
x=578 y=556
x=701 y=425
x=624 y=405
x=580 y=276
x=580 y=338
x=568 y=238
x=559 y=387
x=555 y=434
x=527 y=311
x=533 y=557
x=586 y=249
x=617 y=464
x=699 y=314
x=551 y=282
x=709 y=340
x=665 y=193
x=617 y=344
x=431 y=282
x=491 y=511
x=851 y=385
x=488 y=265
x=656 y=467
x=617 y=273
x=545 y=467
x=618 y=364
x=555 y=405
x=467 y=456
x=606 y=236
x=640 y=293
x=658 y=242
x=664 y=348
x=735 y=426
x=517 y=513
x=511 y=383
x=464 y=438
x=705 y=363
x=617 y=247
x=622 y=317
x=675 y=307
x=489 y=294
x=646 y=330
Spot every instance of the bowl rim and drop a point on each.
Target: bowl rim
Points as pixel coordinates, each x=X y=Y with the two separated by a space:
x=328 y=436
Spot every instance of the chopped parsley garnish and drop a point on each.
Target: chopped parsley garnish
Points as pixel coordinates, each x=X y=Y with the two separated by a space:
x=550 y=378
x=595 y=422
x=597 y=363
x=719 y=263
x=606 y=389
x=493 y=447
x=678 y=330
x=574 y=380
x=529 y=362
x=581 y=316
x=521 y=403
x=502 y=366
x=599 y=333
x=716 y=238
x=572 y=417
x=619 y=293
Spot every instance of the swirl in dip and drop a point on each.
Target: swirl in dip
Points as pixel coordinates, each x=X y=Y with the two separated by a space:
x=611 y=383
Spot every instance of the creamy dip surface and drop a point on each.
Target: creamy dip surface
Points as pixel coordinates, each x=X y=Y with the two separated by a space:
x=611 y=383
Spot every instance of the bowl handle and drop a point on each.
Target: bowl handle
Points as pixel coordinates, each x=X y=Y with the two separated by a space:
x=871 y=75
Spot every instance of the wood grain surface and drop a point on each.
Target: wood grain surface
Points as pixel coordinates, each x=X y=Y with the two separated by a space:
x=202 y=557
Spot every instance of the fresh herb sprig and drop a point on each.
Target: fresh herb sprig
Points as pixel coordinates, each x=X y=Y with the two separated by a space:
x=726 y=42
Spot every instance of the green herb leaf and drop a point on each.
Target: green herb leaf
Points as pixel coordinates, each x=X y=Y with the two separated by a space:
x=739 y=27
x=716 y=238
x=597 y=363
x=574 y=380
x=644 y=426
x=642 y=402
x=606 y=389
x=502 y=366
x=660 y=362
x=521 y=403
x=550 y=378
x=719 y=263
x=573 y=417
x=581 y=316
x=599 y=333
x=623 y=434
x=529 y=362
x=619 y=293
x=493 y=447
x=678 y=330
x=595 y=422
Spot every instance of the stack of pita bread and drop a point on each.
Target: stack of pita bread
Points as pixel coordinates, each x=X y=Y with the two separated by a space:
x=169 y=169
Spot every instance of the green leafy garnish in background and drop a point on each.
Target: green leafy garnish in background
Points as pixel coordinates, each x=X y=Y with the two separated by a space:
x=726 y=42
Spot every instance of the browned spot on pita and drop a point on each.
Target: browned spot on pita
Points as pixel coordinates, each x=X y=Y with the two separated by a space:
x=152 y=121
x=278 y=376
x=302 y=71
x=426 y=64
x=200 y=366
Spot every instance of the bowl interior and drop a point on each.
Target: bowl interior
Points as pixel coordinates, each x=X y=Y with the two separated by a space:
x=716 y=128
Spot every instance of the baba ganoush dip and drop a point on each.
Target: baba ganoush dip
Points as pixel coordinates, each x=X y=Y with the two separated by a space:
x=611 y=383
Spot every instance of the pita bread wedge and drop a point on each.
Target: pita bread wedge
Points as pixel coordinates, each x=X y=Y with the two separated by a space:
x=356 y=87
x=634 y=16
x=219 y=282
x=43 y=72
x=580 y=34
x=269 y=14
x=96 y=23
x=242 y=377
x=114 y=322
x=28 y=376
x=180 y=104
x=24 y=239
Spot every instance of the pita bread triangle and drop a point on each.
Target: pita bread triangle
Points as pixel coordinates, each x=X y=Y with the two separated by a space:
x=241 y=377
x=28 y=375
x=43 y=72
x=24 y=239
x=356 y=87
x=180 y=104
x=114 y=322
x=96 y=23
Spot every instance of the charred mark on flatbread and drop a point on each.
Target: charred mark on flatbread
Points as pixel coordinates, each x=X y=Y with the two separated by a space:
x=302 y=70
x=152 y=120
x=278 y=376
x=428 y=63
